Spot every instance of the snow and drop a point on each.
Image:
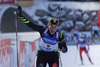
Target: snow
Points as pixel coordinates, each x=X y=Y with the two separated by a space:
x=68 y=59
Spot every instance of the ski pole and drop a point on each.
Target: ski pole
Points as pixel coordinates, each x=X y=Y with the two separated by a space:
x=60 y=61
x=16 y=37
x=60 y=58
x=76 y=56
x=59 y=9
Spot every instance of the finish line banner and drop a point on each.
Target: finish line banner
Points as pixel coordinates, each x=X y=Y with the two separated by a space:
x=7 y=1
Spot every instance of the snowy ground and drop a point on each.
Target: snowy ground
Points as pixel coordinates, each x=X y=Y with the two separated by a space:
x=68 y=59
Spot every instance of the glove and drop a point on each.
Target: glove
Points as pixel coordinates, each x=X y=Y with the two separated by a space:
x=19 y=11
x=62 y=46
x=64 y=50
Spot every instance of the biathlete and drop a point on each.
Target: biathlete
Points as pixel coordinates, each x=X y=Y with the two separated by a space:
x=52 y=39
x=95 y=30
x=81 y=44
x=75 y=33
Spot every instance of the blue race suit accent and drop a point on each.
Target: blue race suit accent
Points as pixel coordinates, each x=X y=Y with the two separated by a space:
x=82 y=44
x=76 y=31
x=48 y=43
x=95 y=27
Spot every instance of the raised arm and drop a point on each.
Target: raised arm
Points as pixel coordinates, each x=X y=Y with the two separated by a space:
x=28 y=22
x=31 y=24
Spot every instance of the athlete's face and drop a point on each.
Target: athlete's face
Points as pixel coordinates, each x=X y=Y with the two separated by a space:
x=52 y=28
x=94 y=22
x=76 y=27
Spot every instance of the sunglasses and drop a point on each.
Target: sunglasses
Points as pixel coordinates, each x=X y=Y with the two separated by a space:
x=54 y=21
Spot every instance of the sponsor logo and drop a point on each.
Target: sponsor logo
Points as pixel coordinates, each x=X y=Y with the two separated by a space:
x=49 y=40
x=7 y=1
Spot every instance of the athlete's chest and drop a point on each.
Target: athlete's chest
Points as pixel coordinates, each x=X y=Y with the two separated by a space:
x=50 y=40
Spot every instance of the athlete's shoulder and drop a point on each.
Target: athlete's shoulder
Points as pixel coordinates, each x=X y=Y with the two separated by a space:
x=58 y=30
x=45 y=27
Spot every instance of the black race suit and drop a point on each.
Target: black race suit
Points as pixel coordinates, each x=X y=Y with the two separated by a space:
x=52 y=58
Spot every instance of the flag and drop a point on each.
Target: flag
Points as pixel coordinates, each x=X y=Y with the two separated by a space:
x=99 y=14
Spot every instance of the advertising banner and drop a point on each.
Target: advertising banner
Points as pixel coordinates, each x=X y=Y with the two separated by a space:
x=33 y=54
x=22 y=54
x=7 y=1
x=13 y=55
x=27 y=54
x=5 y=52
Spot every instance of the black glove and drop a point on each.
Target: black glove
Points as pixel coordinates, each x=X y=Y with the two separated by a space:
x=19 y=11
x=64 y=50
x=63 y=47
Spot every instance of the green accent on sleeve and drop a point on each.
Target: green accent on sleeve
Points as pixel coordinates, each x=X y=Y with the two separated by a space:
x=23 y=20
x=39 y=49
x=60 y=34
x=63 y=40
x=26 y=21
x=21 y=17
x=56 y=50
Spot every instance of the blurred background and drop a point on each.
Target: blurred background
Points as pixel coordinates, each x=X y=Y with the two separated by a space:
x=74 y=12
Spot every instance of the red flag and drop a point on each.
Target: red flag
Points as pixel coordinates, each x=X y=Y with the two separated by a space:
x=99 y=18
x=99 y=14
